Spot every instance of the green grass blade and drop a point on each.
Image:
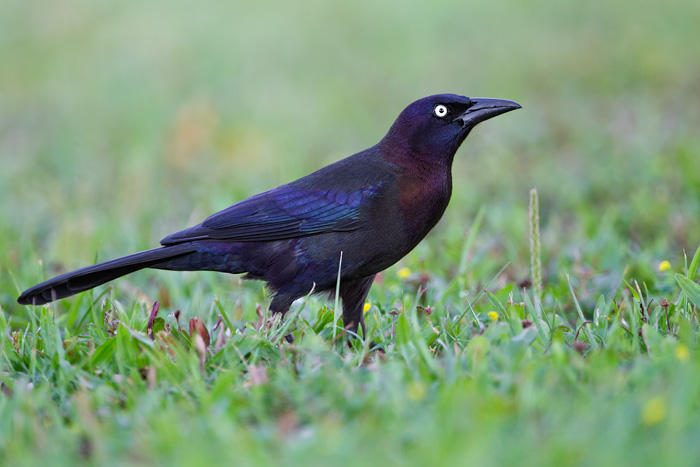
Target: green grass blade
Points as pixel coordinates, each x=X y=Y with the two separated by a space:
x=691 y=289
x=589 y=334
x=692 y=269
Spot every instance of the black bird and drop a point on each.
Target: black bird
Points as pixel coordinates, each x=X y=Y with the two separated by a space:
x=372 y=207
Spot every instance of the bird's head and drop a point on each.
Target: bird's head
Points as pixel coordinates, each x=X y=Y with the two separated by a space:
x=434 y=127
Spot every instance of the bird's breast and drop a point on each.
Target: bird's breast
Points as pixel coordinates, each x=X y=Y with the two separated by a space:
x=392 y=223
x=422 y=202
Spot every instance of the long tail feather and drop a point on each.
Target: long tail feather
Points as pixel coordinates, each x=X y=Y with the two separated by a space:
x=88 y=277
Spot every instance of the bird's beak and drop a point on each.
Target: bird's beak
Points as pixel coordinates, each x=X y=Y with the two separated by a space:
x=483 y=109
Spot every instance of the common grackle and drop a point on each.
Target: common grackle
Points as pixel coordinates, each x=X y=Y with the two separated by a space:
x=372 y=208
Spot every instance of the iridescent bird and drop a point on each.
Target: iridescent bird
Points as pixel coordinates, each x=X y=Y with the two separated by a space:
x=372 y=208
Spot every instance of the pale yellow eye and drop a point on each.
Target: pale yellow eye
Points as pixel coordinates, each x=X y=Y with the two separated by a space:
x=440 y=110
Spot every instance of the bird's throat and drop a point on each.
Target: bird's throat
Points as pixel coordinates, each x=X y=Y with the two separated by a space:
x=423 y=201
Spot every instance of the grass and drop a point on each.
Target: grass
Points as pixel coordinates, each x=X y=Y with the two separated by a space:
x=122 y=123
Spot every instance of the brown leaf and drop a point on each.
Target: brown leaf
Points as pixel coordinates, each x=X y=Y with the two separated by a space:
x=164 y=296
x=201 y=351
x=197 y=327
x=257 y=375
x=152 y=318
x=166 y=342
x=261 y=317
x=287 y=424
x=111 y=323
x=221 y=337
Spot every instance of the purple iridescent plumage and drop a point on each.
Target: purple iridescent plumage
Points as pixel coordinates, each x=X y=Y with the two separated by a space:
x=372 y=208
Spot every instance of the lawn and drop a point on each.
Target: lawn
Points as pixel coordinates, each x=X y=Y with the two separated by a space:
x=123 y=122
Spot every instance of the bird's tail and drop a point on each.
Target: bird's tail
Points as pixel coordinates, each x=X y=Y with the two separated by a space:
x=88 y=277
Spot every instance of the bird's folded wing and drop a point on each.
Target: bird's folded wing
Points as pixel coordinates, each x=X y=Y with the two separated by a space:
x=283 y=213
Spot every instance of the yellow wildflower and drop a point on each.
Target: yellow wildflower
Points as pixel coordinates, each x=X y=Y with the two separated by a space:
x=366 y=308
x=654 y=411
x=493 y=315
x=416 y=390
x=403 y=273
x=682 y=353
x=664 y=266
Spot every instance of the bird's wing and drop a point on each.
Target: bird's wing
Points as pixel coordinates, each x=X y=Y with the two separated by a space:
x=283 y=213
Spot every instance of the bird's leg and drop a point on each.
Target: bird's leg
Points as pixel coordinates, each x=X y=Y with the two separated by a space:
x=281 y=304
x=353 y=294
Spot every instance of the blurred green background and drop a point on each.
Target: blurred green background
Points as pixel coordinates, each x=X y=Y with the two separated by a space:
x=122 y=122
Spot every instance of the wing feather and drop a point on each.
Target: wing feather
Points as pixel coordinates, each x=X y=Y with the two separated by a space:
x=283 y=213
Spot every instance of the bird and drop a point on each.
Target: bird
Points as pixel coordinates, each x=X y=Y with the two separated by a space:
x=341 y=224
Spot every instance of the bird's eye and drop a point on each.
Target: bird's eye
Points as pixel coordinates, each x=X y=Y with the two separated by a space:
x=440 y=110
